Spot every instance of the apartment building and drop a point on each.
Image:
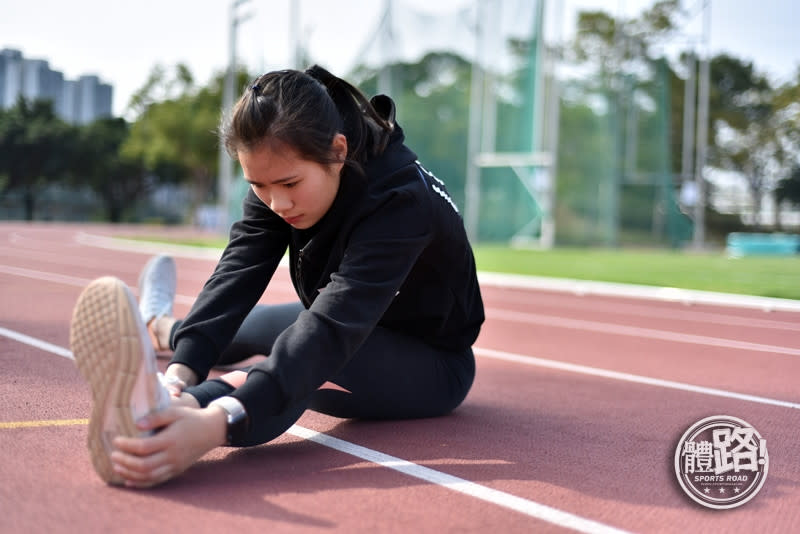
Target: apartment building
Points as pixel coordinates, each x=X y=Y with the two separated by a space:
x=76 y=101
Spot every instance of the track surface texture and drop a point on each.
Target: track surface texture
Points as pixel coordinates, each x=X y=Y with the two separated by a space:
x=572 y=424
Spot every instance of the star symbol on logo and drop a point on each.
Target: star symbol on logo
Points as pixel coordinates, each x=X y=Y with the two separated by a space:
x=736 y=490
x=708 y=490
x=722 y=490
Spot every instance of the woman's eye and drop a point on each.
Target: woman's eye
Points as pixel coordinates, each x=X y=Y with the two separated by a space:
x=290 y=184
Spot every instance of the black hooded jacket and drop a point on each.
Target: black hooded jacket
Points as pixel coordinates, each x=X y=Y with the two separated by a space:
x=390 y=252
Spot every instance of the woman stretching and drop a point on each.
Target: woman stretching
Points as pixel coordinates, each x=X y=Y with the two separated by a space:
x=389 y=299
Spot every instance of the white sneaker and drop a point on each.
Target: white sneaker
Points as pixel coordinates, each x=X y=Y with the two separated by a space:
x=113 y=352
x=157 y=283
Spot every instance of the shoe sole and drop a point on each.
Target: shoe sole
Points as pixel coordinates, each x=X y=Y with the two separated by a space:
x=106 y=342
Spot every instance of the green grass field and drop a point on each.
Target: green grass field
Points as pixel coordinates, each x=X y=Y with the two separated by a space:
x=763 y=276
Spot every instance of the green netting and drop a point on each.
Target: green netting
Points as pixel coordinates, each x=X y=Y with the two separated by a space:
x=615 y=183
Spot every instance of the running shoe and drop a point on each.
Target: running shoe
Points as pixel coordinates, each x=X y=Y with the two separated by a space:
x=157 y=283
x=113 y=352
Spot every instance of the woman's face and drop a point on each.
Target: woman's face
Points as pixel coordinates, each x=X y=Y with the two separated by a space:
x=298 y=190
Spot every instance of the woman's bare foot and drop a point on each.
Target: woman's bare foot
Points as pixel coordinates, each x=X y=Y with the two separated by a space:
x=160 y=329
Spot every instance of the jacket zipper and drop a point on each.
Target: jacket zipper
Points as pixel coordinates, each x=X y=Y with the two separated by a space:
x=300 y=285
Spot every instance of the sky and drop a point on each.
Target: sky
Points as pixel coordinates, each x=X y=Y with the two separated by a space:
x=121 y=41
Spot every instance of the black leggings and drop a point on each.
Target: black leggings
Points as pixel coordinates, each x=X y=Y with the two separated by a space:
x=392 y=376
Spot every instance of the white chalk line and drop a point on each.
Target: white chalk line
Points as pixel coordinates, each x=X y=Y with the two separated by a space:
x=507 y=315
x=634 y=291
x=484 y=493
x=460 y=485
x=627 y=377
x=635 y=331
x=564 y=285
x=70 y=280
x=38 y=343
x=684 y=313
x=516 y=358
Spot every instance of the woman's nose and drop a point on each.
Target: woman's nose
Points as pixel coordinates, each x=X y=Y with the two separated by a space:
x=280 y=203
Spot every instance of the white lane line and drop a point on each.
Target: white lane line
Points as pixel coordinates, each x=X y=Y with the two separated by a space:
x=478 y=491
x=38 y=343
x=634 y=331
x=627 y=377
x=438 y=478
x=43 y=275
x=622 y=308
x=494 y=313
x=517 y=358
x=71 y=280
x=562 y=285
x=147 y=247
x=634 y=291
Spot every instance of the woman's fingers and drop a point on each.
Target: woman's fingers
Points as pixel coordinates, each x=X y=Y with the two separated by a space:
x=144 y=446
x=138 y=467
x=147 y=479
x=136 y=446
x=184 y=435
x=156 y=420
x=145 y=471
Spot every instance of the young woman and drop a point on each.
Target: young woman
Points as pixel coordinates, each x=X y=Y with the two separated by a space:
x=389 y=300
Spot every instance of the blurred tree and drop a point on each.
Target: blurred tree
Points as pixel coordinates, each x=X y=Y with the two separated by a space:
x=623 y=58
x=615 y=46
x=99 y=164
x=432 y=101
x=620 y=105
x=755 y=128
x=174 y=133
x=787 y=103
x=36 y=148
x=788 y=189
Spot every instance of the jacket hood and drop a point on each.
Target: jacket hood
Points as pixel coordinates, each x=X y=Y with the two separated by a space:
x=396 y=155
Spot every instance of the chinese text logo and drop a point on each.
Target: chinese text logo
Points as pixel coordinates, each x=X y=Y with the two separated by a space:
x=721 y=462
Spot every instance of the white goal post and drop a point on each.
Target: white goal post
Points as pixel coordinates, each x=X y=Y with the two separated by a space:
x=534 y=171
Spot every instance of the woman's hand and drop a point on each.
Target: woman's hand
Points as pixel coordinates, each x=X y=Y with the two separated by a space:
x=185 y=435
x=179 y=377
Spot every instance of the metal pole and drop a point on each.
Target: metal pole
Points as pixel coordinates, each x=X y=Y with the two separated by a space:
x=489 y=22
x=615 y=183
x=538 y=80
x=689 y=95
x=294 y=34
x=385 y=81
x=553 y=99
x=225 y=162
x=472 y=180
x=699 y=236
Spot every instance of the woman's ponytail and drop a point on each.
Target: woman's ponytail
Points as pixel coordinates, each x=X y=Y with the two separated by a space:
x=304 y=111
x=366 y=131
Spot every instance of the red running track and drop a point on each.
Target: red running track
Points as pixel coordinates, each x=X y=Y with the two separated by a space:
x=572 y=424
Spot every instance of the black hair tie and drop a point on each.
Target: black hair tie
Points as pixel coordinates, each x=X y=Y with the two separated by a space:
x=255 y=87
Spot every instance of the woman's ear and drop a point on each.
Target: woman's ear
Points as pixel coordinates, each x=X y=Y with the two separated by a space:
x=339 y=147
